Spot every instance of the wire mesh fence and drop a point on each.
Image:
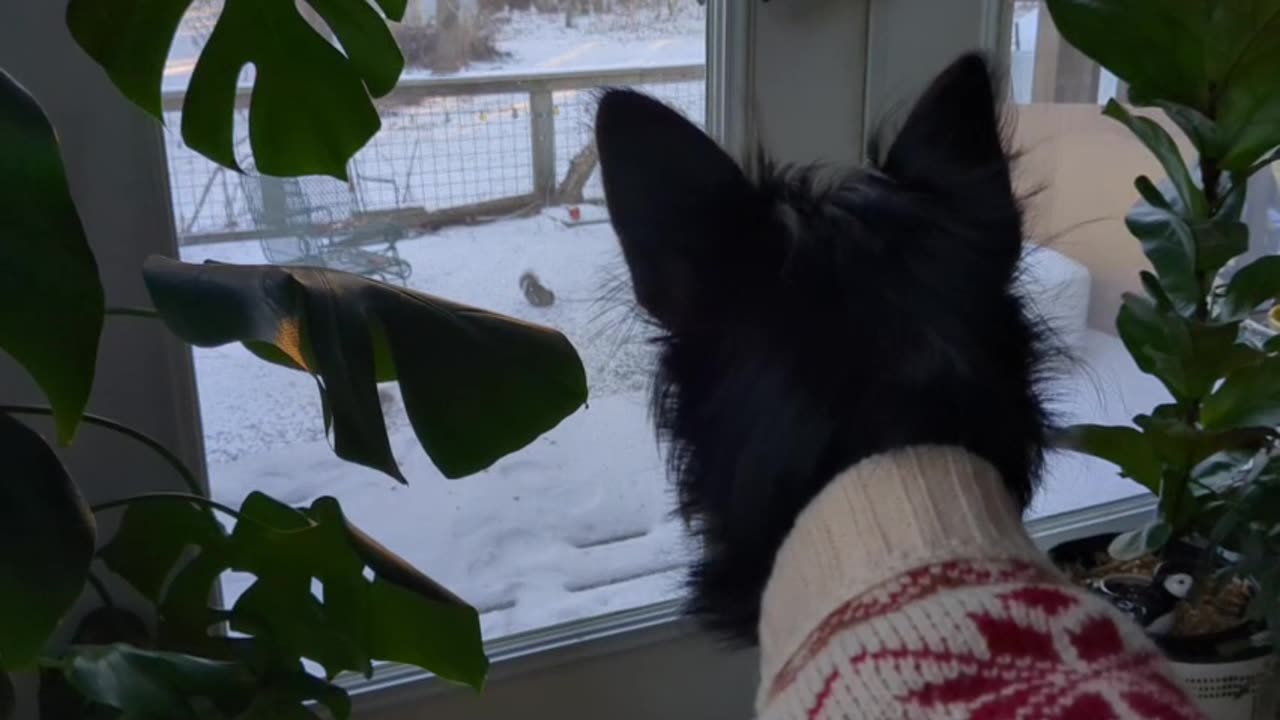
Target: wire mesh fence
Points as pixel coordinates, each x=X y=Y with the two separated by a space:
x=442 y=146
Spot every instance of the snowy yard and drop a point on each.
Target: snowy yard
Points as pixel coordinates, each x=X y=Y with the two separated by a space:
x=580 y=522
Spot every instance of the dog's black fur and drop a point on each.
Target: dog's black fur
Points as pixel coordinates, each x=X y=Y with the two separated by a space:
x=808 y=323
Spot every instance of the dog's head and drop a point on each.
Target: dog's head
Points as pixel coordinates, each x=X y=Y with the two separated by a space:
x=809 y=319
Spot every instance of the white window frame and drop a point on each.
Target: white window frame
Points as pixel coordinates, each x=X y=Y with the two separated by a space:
x=804 y=79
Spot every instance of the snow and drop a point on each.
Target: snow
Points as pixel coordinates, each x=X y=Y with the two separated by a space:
x=533 y=41
x=579 y=523
x=540 y=41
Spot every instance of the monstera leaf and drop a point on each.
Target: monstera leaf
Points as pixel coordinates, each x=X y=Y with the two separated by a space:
x=476 y=385
x=50 y=296
x=149 y=684
x=46 y=543
x=311 y=107
x=1211 y=65
x=373 y=605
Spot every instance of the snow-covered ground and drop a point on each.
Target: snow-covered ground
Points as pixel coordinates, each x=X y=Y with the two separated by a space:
x=580 y=522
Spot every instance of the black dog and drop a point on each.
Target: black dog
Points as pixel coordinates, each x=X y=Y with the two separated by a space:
x=809 y=322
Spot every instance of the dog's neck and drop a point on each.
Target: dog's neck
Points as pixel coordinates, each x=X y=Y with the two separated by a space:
x=885 y=515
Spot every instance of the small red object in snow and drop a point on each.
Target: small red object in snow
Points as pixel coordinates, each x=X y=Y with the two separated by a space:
x=575 y=213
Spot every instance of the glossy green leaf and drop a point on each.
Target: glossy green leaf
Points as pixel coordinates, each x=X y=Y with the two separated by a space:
x=1205 y=135
x=46 y=543
x=1125 y=447
x=1142 y=541
x=1155 y=291
x=1217 y=242
x=1187 y=357
x=1216 y=58
x=152 y=539
x=399 y=616
x=476 y=385
x=1255 y=496
x=1266 y=160
x=284 y=613
x=1159 y=342
x=442 y=639
x=149 y=684
x=1227 y=469
x=311 y=106
x=1249 y=397
x=1170 y=245
x=50 y=296
x=1252 y=285
x=1166 y=151
x=100 y=626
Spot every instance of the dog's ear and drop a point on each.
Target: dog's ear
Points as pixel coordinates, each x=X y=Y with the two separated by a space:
x=953 y=129
x=952 y=146
x=677 y=202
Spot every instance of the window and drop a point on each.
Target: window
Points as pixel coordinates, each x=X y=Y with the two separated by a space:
x=1085 y=164
x=482 y=187
x=859 y=60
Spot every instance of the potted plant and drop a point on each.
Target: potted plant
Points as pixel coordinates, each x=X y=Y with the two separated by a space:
x=1204 y=575
x=154 y=641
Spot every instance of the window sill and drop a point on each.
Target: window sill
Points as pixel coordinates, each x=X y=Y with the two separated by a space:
x=554 y=648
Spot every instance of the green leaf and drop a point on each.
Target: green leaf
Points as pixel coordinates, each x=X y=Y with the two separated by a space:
x=1125 y=447
x=284 y=613
x=152 y=539
x=1204 y=133
x=46 y=543
x=311 y=107
x=1249 y=397
x=1216 y=58
x=148 y=684
x=476 y=385
x=1169 y=243
x=50 y=296
x=1158 y=341
x=401 y=616
x=1228 y=468
x=1155 y=291
x=1252 y=285
x=1166 y=151
x=1187 y=357
x=1217 y=242
x=443 y=638
x=1142 y=541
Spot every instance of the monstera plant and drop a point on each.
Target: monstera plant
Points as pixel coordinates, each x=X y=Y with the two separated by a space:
x=476 y=386
x=1210 y=453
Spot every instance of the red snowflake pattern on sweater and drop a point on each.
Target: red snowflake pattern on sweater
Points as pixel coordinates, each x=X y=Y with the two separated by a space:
x=986 y=641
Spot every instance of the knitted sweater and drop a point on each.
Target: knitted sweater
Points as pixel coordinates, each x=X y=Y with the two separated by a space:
x=909 y=589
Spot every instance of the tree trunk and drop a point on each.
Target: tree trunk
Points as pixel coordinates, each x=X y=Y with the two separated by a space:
x=451 y=45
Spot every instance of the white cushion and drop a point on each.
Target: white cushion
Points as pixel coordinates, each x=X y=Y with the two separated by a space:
x=1057 y=289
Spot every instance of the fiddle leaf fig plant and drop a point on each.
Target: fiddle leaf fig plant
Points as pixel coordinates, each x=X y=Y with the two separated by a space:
x=325 y=598
x=1209 y=67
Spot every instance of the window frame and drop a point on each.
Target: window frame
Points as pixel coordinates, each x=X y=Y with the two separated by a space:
x=860 y=59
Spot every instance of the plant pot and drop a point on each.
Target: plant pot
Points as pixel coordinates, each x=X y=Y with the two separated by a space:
x=1234 y=690
x=1243 y=686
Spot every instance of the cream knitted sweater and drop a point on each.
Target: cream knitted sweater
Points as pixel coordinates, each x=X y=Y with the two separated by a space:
x=909 y=589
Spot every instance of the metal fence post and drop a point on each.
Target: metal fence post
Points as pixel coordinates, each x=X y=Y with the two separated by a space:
x=542 y=126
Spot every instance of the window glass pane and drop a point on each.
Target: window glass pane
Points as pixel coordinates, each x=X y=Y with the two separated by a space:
x=482 y=188
x=1084 y=165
